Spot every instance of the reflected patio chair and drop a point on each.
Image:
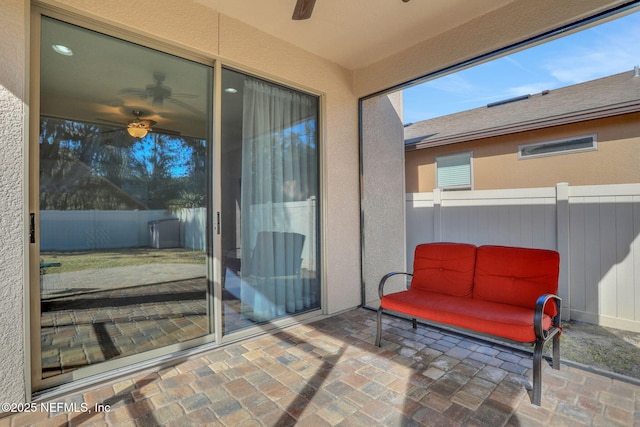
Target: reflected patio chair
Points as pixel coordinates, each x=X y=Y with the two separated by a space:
x=271 y=284
x=231 y=266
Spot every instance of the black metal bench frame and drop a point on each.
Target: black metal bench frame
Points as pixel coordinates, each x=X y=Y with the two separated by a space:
x=542 y=335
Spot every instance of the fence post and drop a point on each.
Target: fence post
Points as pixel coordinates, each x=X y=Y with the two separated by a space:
x=562 y=233
x=437 y=215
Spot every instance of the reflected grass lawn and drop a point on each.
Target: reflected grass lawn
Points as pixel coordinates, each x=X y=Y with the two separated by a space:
x=86 y=260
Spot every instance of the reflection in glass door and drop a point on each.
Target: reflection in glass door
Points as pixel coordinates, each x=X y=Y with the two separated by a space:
x=123 y=218
x=269 y=179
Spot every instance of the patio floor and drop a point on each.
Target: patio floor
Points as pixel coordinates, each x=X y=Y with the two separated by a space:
x=330 y=373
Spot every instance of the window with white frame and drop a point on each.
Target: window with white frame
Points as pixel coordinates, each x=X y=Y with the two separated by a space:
x=560 y=146
x=454 y=172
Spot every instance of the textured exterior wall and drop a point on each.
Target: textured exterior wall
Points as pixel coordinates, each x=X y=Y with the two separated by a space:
x=382 y=191
x=13 y=30
x=496 y=164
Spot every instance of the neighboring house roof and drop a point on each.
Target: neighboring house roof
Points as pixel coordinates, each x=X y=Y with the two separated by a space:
x=604 y=97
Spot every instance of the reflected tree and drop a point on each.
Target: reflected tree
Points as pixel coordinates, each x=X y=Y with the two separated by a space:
x=87 y=166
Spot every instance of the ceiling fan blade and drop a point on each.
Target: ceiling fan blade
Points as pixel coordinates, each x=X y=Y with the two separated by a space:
x=134 y=92
x=112 y=130
x=303 y=9
x=147 y=122
x=154 y=130
x=110 y=121
x=166 y=131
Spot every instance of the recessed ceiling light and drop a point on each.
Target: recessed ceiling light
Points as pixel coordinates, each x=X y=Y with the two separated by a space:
x=62 y=49
x=231 y=90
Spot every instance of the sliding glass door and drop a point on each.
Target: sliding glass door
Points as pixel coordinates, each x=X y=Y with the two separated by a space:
x=124 y=177
x=127 y=206
x=270 y=209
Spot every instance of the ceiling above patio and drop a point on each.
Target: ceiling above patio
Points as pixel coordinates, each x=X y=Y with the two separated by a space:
x=356 y=33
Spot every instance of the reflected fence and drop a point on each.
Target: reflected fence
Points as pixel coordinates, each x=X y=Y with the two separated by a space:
x=97 y=229
x=187 y=228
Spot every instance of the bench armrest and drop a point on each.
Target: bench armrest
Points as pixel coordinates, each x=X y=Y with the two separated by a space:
x=384 y=280
x=538 y=315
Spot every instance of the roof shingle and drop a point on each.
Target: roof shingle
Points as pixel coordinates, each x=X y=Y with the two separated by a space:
x=604 y=97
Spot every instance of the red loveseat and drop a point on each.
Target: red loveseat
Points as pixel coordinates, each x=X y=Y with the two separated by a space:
x=494 y=290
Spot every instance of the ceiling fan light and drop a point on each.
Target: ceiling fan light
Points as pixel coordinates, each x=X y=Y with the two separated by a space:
x=137 y=132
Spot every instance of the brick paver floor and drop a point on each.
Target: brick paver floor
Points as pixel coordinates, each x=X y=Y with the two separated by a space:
x=329 y=373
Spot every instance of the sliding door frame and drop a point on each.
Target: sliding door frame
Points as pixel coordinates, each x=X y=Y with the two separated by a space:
x=33 y=350
x=170 y=354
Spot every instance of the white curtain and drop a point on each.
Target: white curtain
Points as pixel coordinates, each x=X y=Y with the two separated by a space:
x=278 y=171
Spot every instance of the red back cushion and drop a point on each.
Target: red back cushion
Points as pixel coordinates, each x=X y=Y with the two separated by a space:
x=446 y=268
x=516 y=276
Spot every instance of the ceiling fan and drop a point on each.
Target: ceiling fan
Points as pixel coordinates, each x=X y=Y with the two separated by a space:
x=303 y=9
x=138 y=128
x=159 y=92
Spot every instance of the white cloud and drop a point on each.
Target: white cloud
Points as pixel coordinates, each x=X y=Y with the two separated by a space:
x=606 y=54
x=452 y=84
x=590 y=65
x=519 y=65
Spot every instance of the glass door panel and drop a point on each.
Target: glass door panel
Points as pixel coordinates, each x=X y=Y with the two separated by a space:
x=269 y=215
x=124 y=199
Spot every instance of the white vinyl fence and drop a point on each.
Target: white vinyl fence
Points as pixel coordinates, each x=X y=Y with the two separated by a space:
x=94 y=230
x=595 y=229
x=91 y=230
x=296 y=217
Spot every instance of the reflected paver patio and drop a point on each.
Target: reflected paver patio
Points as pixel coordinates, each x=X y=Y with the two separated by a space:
x=329 y=373
x=122 y=318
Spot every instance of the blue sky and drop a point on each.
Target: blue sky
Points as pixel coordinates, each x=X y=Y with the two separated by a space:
x=599 y=51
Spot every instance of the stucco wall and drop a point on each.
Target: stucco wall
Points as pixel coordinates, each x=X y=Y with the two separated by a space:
x=13 y=29
x=382 y=192
x=496 y=164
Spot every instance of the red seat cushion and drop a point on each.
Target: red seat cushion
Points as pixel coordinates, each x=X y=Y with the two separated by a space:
x=516 y=276
x=503 y=320
x=446 y=268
